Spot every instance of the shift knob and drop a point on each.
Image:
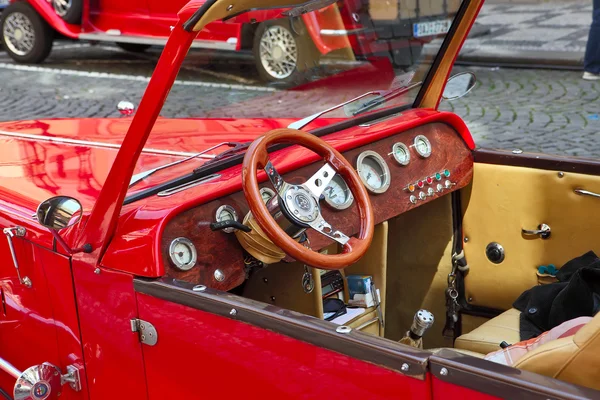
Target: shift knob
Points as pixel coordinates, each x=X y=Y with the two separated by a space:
x=422 y=321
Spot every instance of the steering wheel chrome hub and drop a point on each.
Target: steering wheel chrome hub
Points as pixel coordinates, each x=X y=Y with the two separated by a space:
x=301 y=205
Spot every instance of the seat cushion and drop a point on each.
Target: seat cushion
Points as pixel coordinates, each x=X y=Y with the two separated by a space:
x=487 y=337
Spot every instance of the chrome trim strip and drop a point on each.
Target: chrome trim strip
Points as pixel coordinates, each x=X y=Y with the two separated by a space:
x=341 y=32
x=155 y=41
x=77 y=142
x=583 y=192
x=9 y=368
x=367 y=323
x=188 y=185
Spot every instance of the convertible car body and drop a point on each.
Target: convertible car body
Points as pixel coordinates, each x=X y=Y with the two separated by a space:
x=369 y=255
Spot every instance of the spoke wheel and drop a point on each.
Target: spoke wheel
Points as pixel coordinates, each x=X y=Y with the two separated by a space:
x=281 y=55
x=62 y=7
x=278 y=52
x=18 y=34
x=26 y=36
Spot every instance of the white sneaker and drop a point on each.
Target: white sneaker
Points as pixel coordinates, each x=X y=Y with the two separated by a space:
x=588 y=76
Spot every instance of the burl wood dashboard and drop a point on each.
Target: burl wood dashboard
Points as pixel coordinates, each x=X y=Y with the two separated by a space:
x=220 y=250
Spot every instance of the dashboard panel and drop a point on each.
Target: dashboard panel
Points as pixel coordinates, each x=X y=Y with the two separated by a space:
x=437 y=163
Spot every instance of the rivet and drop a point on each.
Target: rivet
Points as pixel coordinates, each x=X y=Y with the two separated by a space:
x=265 y=280
x=55 y=373
x=142 y=326
x=143 y=337
x=199 y=288
x=517 y=151
x=233 y=311
x=405 y=367
x=97 y=271
x=561 y=174
x=470 y=299
x=343 y=329
x=219 y=275
x=272 y=298
x=230 y=7
x=466 y=239
x=150 y=334
x=443 y=372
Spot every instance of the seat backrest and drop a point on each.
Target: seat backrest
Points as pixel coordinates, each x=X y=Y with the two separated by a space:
x=574 y=359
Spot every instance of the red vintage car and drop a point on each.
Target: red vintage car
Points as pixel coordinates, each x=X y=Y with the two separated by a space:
x=367 y=253
x=285 y=49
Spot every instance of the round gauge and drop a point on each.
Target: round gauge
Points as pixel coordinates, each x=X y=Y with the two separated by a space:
x=401 y=153
x=183 y=253
x=337 y=194
x=226 y=213
x=422 y=146
x=266 y=194
x=373 y=171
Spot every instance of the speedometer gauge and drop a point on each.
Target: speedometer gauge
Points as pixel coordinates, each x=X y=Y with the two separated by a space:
x=422 y=146
x=373 y=171
x=401 y=153
x=183 y=253
x=337 y=194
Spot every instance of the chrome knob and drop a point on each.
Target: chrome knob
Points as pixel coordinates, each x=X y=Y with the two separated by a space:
x=439 y=187
x=422 y=321
x=430 y=192
x=126 y=107
x=422 y=196
x=448 y=184
x=412 y=199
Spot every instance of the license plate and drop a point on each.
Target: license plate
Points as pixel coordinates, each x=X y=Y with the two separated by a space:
x=431 y=28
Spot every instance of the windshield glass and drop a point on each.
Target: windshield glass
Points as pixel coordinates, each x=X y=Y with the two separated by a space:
x=261 y=70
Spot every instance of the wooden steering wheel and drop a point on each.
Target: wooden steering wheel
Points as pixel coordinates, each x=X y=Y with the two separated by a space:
x=300 y=203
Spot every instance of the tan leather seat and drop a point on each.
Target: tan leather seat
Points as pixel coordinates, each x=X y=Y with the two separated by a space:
x=574 y=359
x=487 y=337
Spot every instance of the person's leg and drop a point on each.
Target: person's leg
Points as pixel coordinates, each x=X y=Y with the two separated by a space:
x=591 y=62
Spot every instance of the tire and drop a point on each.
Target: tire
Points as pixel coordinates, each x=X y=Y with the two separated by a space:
x=26 y=36
x=134 y=47
x=299 y=47
x=69 y=10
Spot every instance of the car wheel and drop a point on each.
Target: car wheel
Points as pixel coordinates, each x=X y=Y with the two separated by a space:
x=134 y=47
x=68 y=10
x=281 y=55
x=26 y=36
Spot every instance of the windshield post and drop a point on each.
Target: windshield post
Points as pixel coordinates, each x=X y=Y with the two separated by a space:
x=102 y=221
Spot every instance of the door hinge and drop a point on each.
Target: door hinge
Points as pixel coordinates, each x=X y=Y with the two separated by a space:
x=145 y=330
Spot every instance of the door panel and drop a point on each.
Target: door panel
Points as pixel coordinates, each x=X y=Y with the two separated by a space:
x=501 y=200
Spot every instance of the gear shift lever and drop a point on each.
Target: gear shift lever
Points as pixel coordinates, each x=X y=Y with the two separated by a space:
x=421 y=323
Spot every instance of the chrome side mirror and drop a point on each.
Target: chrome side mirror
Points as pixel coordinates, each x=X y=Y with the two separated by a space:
x=459 y=85
x=59 y=212
x=126 y=107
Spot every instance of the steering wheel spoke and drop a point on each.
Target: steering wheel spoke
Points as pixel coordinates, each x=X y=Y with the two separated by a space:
x=325 y=228
x=317 y=183
x=276 y=180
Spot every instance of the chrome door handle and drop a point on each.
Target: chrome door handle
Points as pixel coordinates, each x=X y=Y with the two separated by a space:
x=542 y=231
x=583 y=192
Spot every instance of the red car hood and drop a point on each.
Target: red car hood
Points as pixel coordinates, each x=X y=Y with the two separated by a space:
x=72 y=157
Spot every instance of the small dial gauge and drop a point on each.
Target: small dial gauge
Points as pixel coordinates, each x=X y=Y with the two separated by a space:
x=337 y=194
x=373 y=171
x=267 y=194
x=422 y=146
x=183 y=253
x=401 y=153
x=226 y=213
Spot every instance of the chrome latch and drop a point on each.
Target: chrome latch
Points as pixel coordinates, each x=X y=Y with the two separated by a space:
x=16 y=231
x=72 y=377
x=542 y=231
x=146 y=331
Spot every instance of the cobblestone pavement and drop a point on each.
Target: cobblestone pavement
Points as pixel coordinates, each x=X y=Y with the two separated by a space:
x=550 y=26
x=535 y=110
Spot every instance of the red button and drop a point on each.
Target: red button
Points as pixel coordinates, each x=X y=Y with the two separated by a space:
x=421 y=184
x=429 y=180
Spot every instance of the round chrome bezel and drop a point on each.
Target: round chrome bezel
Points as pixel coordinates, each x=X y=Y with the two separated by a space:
x=384 y=167
x=192 y=248
x=349 y=199
x=230 y=210
x=270 y=191
x=428 y=152
x=305 y=213
x=406 y=150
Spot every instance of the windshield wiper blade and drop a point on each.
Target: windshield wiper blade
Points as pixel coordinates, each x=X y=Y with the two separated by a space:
x=235 y=149
x=144 y=174
x=385 y=96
